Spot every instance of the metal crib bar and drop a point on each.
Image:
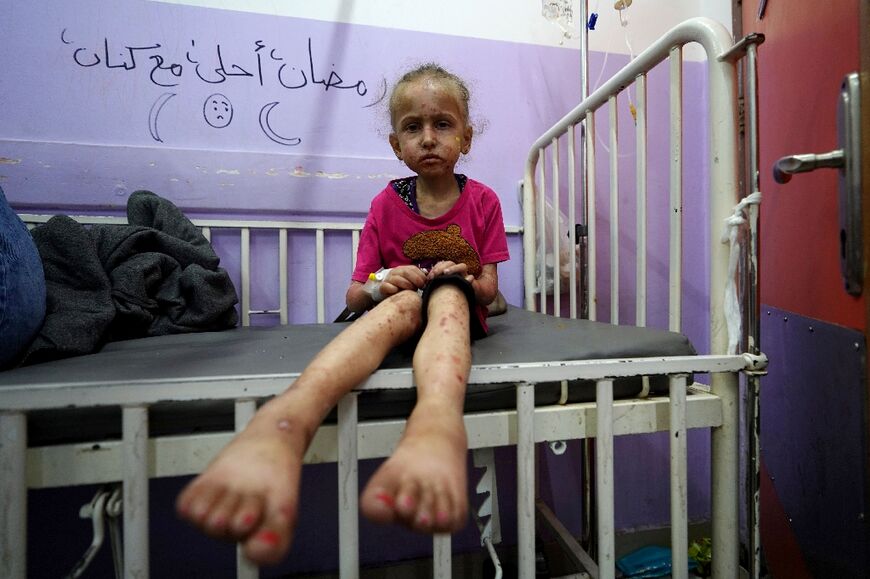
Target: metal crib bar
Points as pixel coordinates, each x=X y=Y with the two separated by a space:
x=590 y=215
x=724 y=457
x=530 y=226
x=676 y=189
x=13 y=495
x=282 y=275
x=556 y=233
x=441 y=556
x=354 y=242
x=321 y=286
x=725 y=447
x=206 y=232
x=135 y=479
x=614 y=211
x=348 y=483
x=753 y=403
x=525 y=480
x=542 y=234
x=712 y=36
x=679 y=501
x=640 y=273
x=244 y=411
x=604 y=478
x=245 y=238
x=584 y=93
x=572 y=225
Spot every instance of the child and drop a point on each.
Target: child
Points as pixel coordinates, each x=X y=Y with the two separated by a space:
x=438 y=232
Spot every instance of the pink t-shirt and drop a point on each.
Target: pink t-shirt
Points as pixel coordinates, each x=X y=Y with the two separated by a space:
x=471 y=232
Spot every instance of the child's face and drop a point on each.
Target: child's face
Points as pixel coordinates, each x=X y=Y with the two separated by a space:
x=429 y=128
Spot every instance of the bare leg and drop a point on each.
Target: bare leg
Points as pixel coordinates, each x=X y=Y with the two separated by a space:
x=250 y=492
x=424 y=484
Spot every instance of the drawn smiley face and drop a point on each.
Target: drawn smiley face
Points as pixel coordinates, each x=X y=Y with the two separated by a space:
x=218 y=111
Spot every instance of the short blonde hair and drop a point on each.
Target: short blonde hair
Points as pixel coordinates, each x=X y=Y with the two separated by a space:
x=437 y=72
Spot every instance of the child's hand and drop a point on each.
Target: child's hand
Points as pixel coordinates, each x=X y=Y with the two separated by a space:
x=450 y=268
x=485 y=285
x=405 y=277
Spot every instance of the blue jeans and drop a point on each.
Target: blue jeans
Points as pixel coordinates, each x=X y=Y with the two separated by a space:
x=22 y=287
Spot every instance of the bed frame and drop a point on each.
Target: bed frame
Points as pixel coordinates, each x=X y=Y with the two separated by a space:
x=137 y=456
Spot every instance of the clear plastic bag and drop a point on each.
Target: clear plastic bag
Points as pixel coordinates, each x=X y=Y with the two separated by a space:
x=565 y=248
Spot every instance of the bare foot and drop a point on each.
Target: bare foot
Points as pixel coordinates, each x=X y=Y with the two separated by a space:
x=423 y=485
x=249 y=493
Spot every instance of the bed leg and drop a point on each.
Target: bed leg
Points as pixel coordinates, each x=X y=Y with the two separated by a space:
x=604 y=478
x=441 y=556
x=348 y=488
x=244 y=412
x=725 y=475
x=679 y=500
x=13 y=495
x=526 y=480
x=135 y=479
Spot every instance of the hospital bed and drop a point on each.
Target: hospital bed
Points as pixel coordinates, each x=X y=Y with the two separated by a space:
x=540 y=377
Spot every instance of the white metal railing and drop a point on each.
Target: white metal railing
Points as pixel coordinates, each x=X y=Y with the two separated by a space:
x=244 y=228
x=318 y=230
x=722 y=162
x=136 y=458
x=540 y=184
x=135 y=403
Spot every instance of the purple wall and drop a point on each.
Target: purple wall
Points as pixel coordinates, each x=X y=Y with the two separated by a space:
x=77 y=137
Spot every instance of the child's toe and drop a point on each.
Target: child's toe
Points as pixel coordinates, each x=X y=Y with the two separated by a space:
x=268 y=545
x=408 y=501
x=196 y=506
x=379 y=505
x=218 y=522
x=247 y=515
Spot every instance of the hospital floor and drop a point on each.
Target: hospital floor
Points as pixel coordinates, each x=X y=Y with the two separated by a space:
x=476 y=565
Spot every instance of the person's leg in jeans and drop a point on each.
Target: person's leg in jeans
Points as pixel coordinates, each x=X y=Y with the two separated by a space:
x=22 y=286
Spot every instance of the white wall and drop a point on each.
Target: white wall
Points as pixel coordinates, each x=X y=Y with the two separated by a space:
x=508 y=20
x=649 y=19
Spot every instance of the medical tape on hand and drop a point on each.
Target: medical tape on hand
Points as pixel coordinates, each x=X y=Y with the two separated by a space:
x=373 y=284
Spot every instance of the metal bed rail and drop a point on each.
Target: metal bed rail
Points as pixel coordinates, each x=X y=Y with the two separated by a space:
x=318 y=230
x=55 y=467
x=136 y=458
x=722 y=125
x=543 y=186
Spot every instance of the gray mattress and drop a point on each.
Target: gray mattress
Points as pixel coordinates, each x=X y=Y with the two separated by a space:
x=518 y=336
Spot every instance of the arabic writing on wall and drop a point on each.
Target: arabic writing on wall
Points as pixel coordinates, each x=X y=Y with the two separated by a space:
x=267 y=66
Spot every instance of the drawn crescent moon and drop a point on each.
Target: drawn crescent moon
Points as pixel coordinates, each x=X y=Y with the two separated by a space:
x=380 y=98
x=269 y=132
x=155 y=111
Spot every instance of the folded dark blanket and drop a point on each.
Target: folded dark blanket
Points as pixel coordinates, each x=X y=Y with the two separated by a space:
x=157 y=275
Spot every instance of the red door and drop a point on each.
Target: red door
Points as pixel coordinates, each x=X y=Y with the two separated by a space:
x=809 y=47
x=814 y=400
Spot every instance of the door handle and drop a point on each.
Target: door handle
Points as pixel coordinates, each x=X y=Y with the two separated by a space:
x=848 y=160
x=788 y=166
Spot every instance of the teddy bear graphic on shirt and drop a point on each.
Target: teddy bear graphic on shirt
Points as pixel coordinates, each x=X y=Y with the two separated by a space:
x=428 y=247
